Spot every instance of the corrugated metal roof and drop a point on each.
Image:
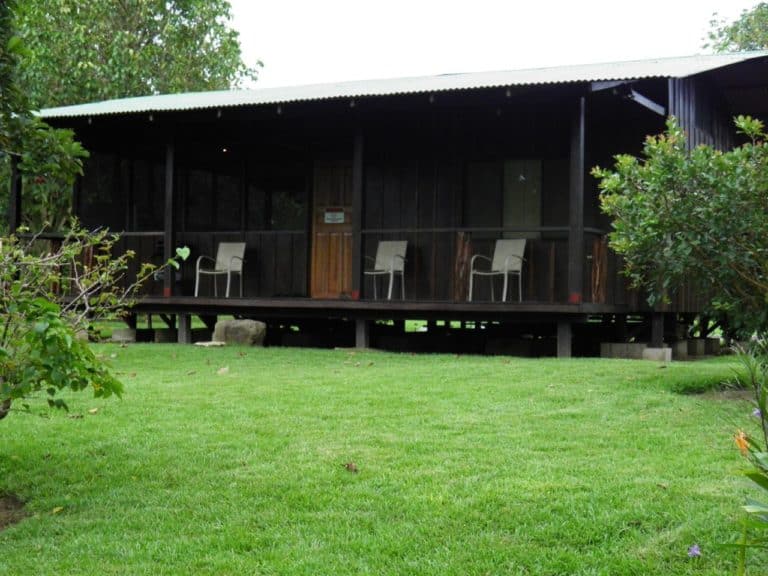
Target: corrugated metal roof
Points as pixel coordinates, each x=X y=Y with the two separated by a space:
x=655 y=68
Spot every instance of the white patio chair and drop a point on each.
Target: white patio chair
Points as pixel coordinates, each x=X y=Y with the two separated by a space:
x=229 y=261
x=390 y=260
x=507 y=261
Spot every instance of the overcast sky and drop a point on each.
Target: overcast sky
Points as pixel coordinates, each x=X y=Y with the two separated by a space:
x=315 y=41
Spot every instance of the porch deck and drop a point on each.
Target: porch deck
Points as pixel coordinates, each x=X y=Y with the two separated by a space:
x=370 y=309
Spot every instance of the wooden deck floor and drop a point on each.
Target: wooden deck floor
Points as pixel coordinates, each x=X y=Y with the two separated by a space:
x=372 y=309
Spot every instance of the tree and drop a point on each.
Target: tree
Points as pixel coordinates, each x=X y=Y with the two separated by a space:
x=45 y=155
x=77 y=51
x=82 y=51
x=748 y=32
x=698 y=218
x=47 y=296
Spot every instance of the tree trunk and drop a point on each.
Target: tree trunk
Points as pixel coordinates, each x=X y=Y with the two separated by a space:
x=5 y=407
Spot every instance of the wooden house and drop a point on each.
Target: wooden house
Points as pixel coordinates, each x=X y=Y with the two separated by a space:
x=312 y=178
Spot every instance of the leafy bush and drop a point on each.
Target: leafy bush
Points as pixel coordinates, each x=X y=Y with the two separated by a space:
x=47 y=299
x=695 y=217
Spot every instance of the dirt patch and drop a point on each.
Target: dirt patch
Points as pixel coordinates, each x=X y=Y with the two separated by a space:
x=740 y=394
x=11 y=510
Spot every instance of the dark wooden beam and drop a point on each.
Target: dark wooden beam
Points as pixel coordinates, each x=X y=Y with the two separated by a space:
x=576 y=204
x=357 y=209
x=169 y=230
x=362 y=333
x=564 y=337
x=657 y=330
x=184 y=335
x=14 y=202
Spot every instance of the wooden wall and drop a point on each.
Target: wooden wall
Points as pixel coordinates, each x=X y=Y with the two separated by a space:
x=701 y=113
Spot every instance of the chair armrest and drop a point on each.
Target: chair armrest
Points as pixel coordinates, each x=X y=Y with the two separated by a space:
x=475 y=257
x=201 y=259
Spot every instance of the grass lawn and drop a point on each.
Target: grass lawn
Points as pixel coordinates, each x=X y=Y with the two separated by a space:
x=232 y=461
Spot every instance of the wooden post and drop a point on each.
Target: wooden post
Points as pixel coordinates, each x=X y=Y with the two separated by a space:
x=576 y=205
x=357 y=210
x=14 y=202
x=362 y=333
x=657 y=330
x=169 y=232
x=185 y=329
x=564 y=339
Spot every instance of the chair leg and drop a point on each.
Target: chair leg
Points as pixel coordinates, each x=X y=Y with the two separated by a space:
x=215 y=285
x=229 y=281
x=519 y=287
x=493 y=293
x=506 y=285
x=402 y=286
x=391 y=281
x=197 y=283
x=375 y=293
x=471 y=278
x=241 y=284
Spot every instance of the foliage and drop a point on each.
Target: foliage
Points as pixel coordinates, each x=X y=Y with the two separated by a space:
x=698 y=218
x=754 y=447
x=46 y=299
x=103 y=49
x=50 y=159
x=748 y=32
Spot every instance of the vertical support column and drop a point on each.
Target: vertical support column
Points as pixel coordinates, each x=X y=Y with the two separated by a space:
x=14 y=202
x=576 y=204
x=564 y=337
x=657 y=330
x=169 y=230
x=362 y=333
x=357 y=210
x=185 y=329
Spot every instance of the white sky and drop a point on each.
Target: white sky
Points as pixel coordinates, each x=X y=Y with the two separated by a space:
x=316 y=41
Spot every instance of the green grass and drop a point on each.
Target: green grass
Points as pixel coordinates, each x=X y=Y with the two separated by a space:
x=467 y=465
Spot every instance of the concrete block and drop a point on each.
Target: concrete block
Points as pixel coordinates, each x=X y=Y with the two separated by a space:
x=680 y=350
x=627 y=350
x=635 y=350
x=712 y=346
x=123 y=335
x=697 y=347
x=658 y=354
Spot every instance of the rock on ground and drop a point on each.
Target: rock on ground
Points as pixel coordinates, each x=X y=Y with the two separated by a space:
x=244 y=332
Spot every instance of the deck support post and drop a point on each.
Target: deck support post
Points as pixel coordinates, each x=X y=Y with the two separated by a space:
x=564 y=339
x=362 y=333
x=657 y=330
x=576 y=204
x=357 y=210
x=185 y=329
x=14 y=201
x=169 y=231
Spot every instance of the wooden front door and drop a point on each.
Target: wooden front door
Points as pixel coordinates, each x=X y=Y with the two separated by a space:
x=332 y=230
